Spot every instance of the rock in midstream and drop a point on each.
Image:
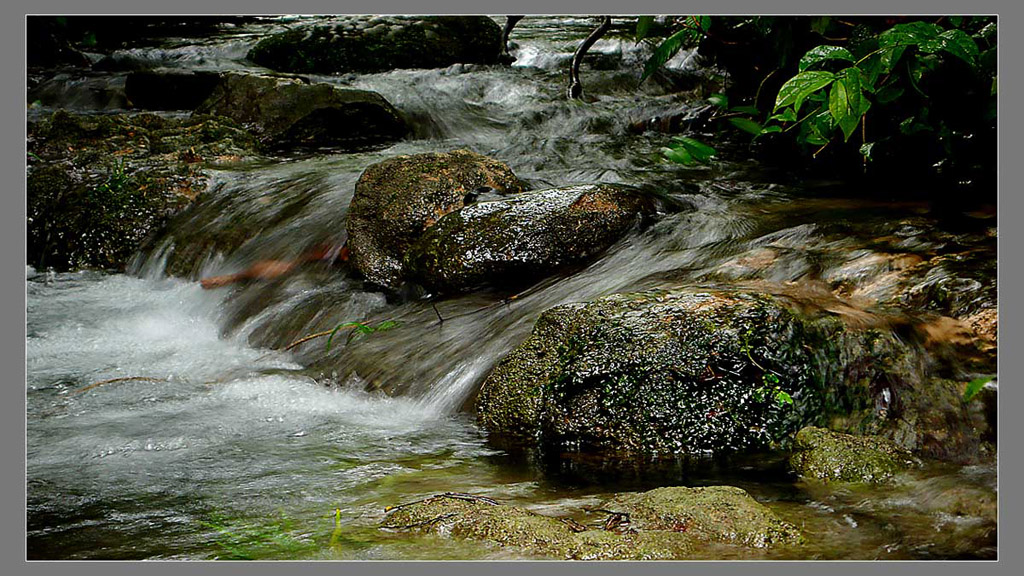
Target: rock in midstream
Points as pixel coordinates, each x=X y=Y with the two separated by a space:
x=398 y=199
x=287 y=112
x=523 y=237
x=692 y=371
x=832 y=456
x=662 y=524
x=356 y=44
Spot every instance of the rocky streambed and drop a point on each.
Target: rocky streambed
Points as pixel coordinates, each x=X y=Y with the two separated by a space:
x=568 y=354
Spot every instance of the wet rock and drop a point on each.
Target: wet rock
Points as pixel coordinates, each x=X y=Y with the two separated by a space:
x=664 y=524
x=391 y=43
x=398 y=199
x=832 y=456
x=288 y=112
x=169 y=89
x=691 y=372
x=712 y=513
x=98 y=186
x=522 y=237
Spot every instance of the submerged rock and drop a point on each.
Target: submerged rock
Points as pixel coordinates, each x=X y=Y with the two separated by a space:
x=713 y=371
x=713 y=513
x=832 y=456
x=524 y=236
x=99 y=185
x=378 y=44
x=398 y=199
x=288 y=112
x=663 y=524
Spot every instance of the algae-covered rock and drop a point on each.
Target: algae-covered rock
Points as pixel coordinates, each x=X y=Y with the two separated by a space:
x=377 y=44
x=663 y=524
x=832 y=456
x=396 y=200
x=286 y=112
x=98 y=186
x=716 y=513
x=712 y=371
x=523 y=236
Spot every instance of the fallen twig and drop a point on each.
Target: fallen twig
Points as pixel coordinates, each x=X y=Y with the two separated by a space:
x=113 y=380
x=307 y=339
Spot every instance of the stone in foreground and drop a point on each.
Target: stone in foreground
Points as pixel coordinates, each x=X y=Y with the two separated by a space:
x=663 y=524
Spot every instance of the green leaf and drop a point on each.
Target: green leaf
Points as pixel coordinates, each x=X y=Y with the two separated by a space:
x=910 y=34
x=720 y=100
x=960 y=44
x=866 y=149
x=699 y=150
x=770 y=129
x=787 y=115
x=666 y=50
x=363 y=328
x=821 y=54
x=956 y=20
x=385 y=325
x=891 y=57
x=643 y=26
x=799 y=87
x=747 y=125
x=975 y=386
x=679 y=156
x=888 y=94
x=819 y=24
x=844 y=101
x=783 y=398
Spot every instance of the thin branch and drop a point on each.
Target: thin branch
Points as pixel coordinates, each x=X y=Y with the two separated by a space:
x=113 y=380
x=306 y=339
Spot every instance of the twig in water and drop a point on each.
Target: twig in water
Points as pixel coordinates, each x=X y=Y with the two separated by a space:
x=439 y=317
x=113 y=380
x=423 y=523
x=307 y=339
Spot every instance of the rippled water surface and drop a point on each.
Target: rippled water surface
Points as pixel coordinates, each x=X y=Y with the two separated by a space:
x=165 y=421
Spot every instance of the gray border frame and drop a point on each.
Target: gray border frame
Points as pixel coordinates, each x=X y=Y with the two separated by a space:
x=13 y=225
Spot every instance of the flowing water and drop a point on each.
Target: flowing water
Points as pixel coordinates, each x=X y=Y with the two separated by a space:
x=206 y=440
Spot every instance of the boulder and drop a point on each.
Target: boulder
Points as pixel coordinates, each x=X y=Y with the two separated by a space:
x=289 y=112
x=832 y=456
x=396 y=200
x=381 y=43
x=98 y=186
x=692 y=371
x=663 y=524
x=522 y=237
x=170 y=89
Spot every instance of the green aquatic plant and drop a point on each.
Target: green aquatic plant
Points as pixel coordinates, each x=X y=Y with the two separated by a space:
x=358 y=328
x=241 y=540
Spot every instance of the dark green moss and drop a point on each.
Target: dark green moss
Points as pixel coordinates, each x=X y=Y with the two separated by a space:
x=830 y=456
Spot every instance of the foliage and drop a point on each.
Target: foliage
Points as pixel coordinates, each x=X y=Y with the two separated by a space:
x=975 y=386
x=239 y=540
x=915 y=90
x=358 y=328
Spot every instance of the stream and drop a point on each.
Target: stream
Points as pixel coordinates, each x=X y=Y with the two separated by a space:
x=209 y=441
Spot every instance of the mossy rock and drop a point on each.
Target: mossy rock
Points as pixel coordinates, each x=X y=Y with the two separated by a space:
x=664 y=524
x=692 y=371
x=289 y=112
x=397 y=200
x=99 y=186
x=522 y=237
x=713 y=513
x=381 y=43
x=829 y=456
